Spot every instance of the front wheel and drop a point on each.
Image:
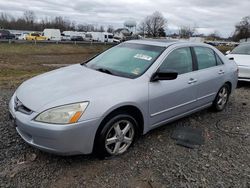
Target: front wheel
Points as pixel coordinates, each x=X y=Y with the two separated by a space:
x=221 y=98
x=117 y=135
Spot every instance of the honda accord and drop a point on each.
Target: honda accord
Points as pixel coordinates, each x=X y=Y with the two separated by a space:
x=104 y=104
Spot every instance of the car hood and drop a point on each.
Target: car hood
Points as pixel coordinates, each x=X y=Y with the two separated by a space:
x=241 y=60
x=64 y=82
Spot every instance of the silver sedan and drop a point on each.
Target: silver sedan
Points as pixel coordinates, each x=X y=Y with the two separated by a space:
x=102 y=105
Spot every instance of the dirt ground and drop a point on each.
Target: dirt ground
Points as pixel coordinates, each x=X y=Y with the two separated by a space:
x=154 y=161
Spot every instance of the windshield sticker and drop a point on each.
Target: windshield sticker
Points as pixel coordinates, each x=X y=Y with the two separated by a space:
x=142 y=56
x=136 y=71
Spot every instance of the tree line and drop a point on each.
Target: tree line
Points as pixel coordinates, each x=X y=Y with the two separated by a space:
x=153 y=25
x=29 y=21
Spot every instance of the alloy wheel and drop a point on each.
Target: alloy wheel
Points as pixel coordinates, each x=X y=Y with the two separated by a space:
x=119 y=137
x=222 y=97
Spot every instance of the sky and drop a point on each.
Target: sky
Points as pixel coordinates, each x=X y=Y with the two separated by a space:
x=206 y=16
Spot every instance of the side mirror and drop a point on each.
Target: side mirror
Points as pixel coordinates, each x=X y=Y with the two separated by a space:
x=228 y=52
x=163 y=76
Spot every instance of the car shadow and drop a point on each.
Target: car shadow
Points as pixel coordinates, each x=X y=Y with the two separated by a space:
x=242 y=84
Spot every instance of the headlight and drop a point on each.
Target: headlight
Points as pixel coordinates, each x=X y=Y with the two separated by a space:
x=66 y=114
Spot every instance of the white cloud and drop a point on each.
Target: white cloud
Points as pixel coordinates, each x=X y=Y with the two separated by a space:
x=206 y=15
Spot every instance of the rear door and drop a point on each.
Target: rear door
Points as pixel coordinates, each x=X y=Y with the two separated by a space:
x=210 y=74
x=170 y=98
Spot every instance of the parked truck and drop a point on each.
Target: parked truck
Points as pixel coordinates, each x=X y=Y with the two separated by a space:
x=101 y=36
x=52 y=34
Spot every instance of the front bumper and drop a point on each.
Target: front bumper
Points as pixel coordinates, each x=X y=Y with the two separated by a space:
x=244 y=73
x=71 y=139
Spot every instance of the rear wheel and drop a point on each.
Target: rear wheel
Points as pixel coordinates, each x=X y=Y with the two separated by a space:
x=221 y=98
x=116 y=136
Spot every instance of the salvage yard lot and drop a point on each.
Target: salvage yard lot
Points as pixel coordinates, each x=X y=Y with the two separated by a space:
x=154 y=161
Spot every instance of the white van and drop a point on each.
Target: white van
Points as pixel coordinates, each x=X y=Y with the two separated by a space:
x=52 y=34
x=101 y=36
x=108 y=37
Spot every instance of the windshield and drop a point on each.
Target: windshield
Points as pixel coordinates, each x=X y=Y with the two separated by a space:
x=242 y=49
x=127 y=59
x=35 y=34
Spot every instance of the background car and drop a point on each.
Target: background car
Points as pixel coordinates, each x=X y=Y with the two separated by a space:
x=35 y=36
x=5 y=34
x=103 y=105
x=22 y=36
x=65 y=37
x=241 y=55
x=76 y=38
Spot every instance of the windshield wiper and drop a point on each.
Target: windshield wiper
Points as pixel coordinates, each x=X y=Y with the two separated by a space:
x=105 y=71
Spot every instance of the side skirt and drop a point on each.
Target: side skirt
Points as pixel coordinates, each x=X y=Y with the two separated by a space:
x=180 y=116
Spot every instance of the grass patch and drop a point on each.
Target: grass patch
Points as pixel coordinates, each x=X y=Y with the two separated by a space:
x=19 y=62
x=224 y=49
x=31 y=49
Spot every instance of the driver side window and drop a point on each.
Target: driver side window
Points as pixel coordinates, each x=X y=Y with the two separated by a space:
x=180 y=61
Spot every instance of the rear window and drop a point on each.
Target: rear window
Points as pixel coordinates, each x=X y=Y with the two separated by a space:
x=205 y=57
x=35 y=34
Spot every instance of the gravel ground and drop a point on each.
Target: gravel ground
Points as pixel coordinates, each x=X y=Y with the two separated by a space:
x=154 y=161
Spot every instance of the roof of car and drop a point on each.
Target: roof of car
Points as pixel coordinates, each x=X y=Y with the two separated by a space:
x=153 y=42
x=164 y=42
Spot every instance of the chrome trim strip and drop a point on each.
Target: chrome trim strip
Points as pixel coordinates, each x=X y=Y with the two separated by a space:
x=182 y=115
x=247 y=66
x=205 y=96
x=180 y=105
x=172 y=108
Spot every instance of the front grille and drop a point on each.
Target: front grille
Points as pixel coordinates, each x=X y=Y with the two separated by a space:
x=18 y=106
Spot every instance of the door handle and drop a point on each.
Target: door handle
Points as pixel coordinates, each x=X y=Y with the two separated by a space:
x=221 y=72
x=192 y=80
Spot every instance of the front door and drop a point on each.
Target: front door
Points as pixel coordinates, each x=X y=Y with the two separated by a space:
x=170 y=98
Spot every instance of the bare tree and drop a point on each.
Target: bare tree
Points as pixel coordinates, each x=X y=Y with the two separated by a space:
x=214 y=35
x=153 y=24
x=81 y=27
x=242 y=29
x=101 y=29
x=29 y=17
x=142 y=28
x=7 y=21
x=186 y=31
x=110 y=29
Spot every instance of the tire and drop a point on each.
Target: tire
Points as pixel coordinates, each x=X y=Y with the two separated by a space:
x=117 y=135
x=221 y=98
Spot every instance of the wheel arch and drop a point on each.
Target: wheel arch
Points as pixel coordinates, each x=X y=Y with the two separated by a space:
x=230 y=86
x=129 y=109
